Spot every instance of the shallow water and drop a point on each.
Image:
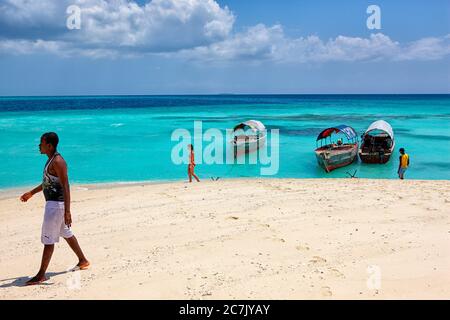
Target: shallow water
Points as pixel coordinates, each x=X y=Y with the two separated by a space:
x=108 y=139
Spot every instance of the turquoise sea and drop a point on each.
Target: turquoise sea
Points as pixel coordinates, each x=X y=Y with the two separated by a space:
x=128 y=138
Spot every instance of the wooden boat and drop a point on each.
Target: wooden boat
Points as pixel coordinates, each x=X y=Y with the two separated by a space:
x=377 y=143
x=248 y=137
x=332 y=155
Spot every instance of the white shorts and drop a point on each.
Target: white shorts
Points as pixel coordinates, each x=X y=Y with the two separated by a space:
x=54 y=225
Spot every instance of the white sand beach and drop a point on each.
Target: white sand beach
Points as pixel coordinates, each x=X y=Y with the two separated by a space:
x=238 y=239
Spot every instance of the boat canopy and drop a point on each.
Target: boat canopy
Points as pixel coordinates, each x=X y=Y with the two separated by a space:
x=255 y=125
x=382 y=126
x=347 y=130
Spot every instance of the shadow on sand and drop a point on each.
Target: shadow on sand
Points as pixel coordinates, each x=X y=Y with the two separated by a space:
x=21 y=281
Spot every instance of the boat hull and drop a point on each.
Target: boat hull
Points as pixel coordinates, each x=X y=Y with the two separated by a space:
x=376 y=157
x=331 y=159
x=248 y=147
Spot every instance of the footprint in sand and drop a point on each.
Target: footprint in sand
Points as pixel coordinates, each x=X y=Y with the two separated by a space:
x=302 y=248
x=326 y=292
x=336 y=273
x=318 y=260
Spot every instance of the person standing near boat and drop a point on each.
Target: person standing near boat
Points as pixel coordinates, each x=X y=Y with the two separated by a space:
x=57 y=216
x=191 y=165
x=403 y=163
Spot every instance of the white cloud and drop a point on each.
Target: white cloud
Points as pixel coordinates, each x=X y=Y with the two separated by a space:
x=352 y=48
x=258 y=42
x=59 y=48
x=26 y=46
x=159 y=25
x=28 y=13
x=191 y=29
x=261 y=43
x=427 y=49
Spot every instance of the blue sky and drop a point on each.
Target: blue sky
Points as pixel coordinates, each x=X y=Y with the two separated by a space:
x=401 y=19
x=224 y=46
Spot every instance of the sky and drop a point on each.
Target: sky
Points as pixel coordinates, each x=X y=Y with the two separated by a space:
x=120 y=47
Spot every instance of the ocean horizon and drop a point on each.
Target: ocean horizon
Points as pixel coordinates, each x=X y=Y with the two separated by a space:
x=107 y=139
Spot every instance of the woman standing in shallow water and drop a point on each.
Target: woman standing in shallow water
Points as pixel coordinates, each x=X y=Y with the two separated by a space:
x=191 y=165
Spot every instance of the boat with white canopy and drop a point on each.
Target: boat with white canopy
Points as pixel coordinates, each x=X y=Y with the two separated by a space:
x=248 y=136
x=377 y=143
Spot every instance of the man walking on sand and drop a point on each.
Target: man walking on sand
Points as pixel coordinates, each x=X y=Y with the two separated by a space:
x=403 y=164
x=57 y=217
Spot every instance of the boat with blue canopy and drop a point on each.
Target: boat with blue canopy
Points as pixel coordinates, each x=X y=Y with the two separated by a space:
x=333 y=151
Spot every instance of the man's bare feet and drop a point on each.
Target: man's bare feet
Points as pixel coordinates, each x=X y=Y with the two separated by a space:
x=38 y=279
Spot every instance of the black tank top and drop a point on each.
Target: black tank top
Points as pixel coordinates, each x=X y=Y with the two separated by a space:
x=51 y=185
